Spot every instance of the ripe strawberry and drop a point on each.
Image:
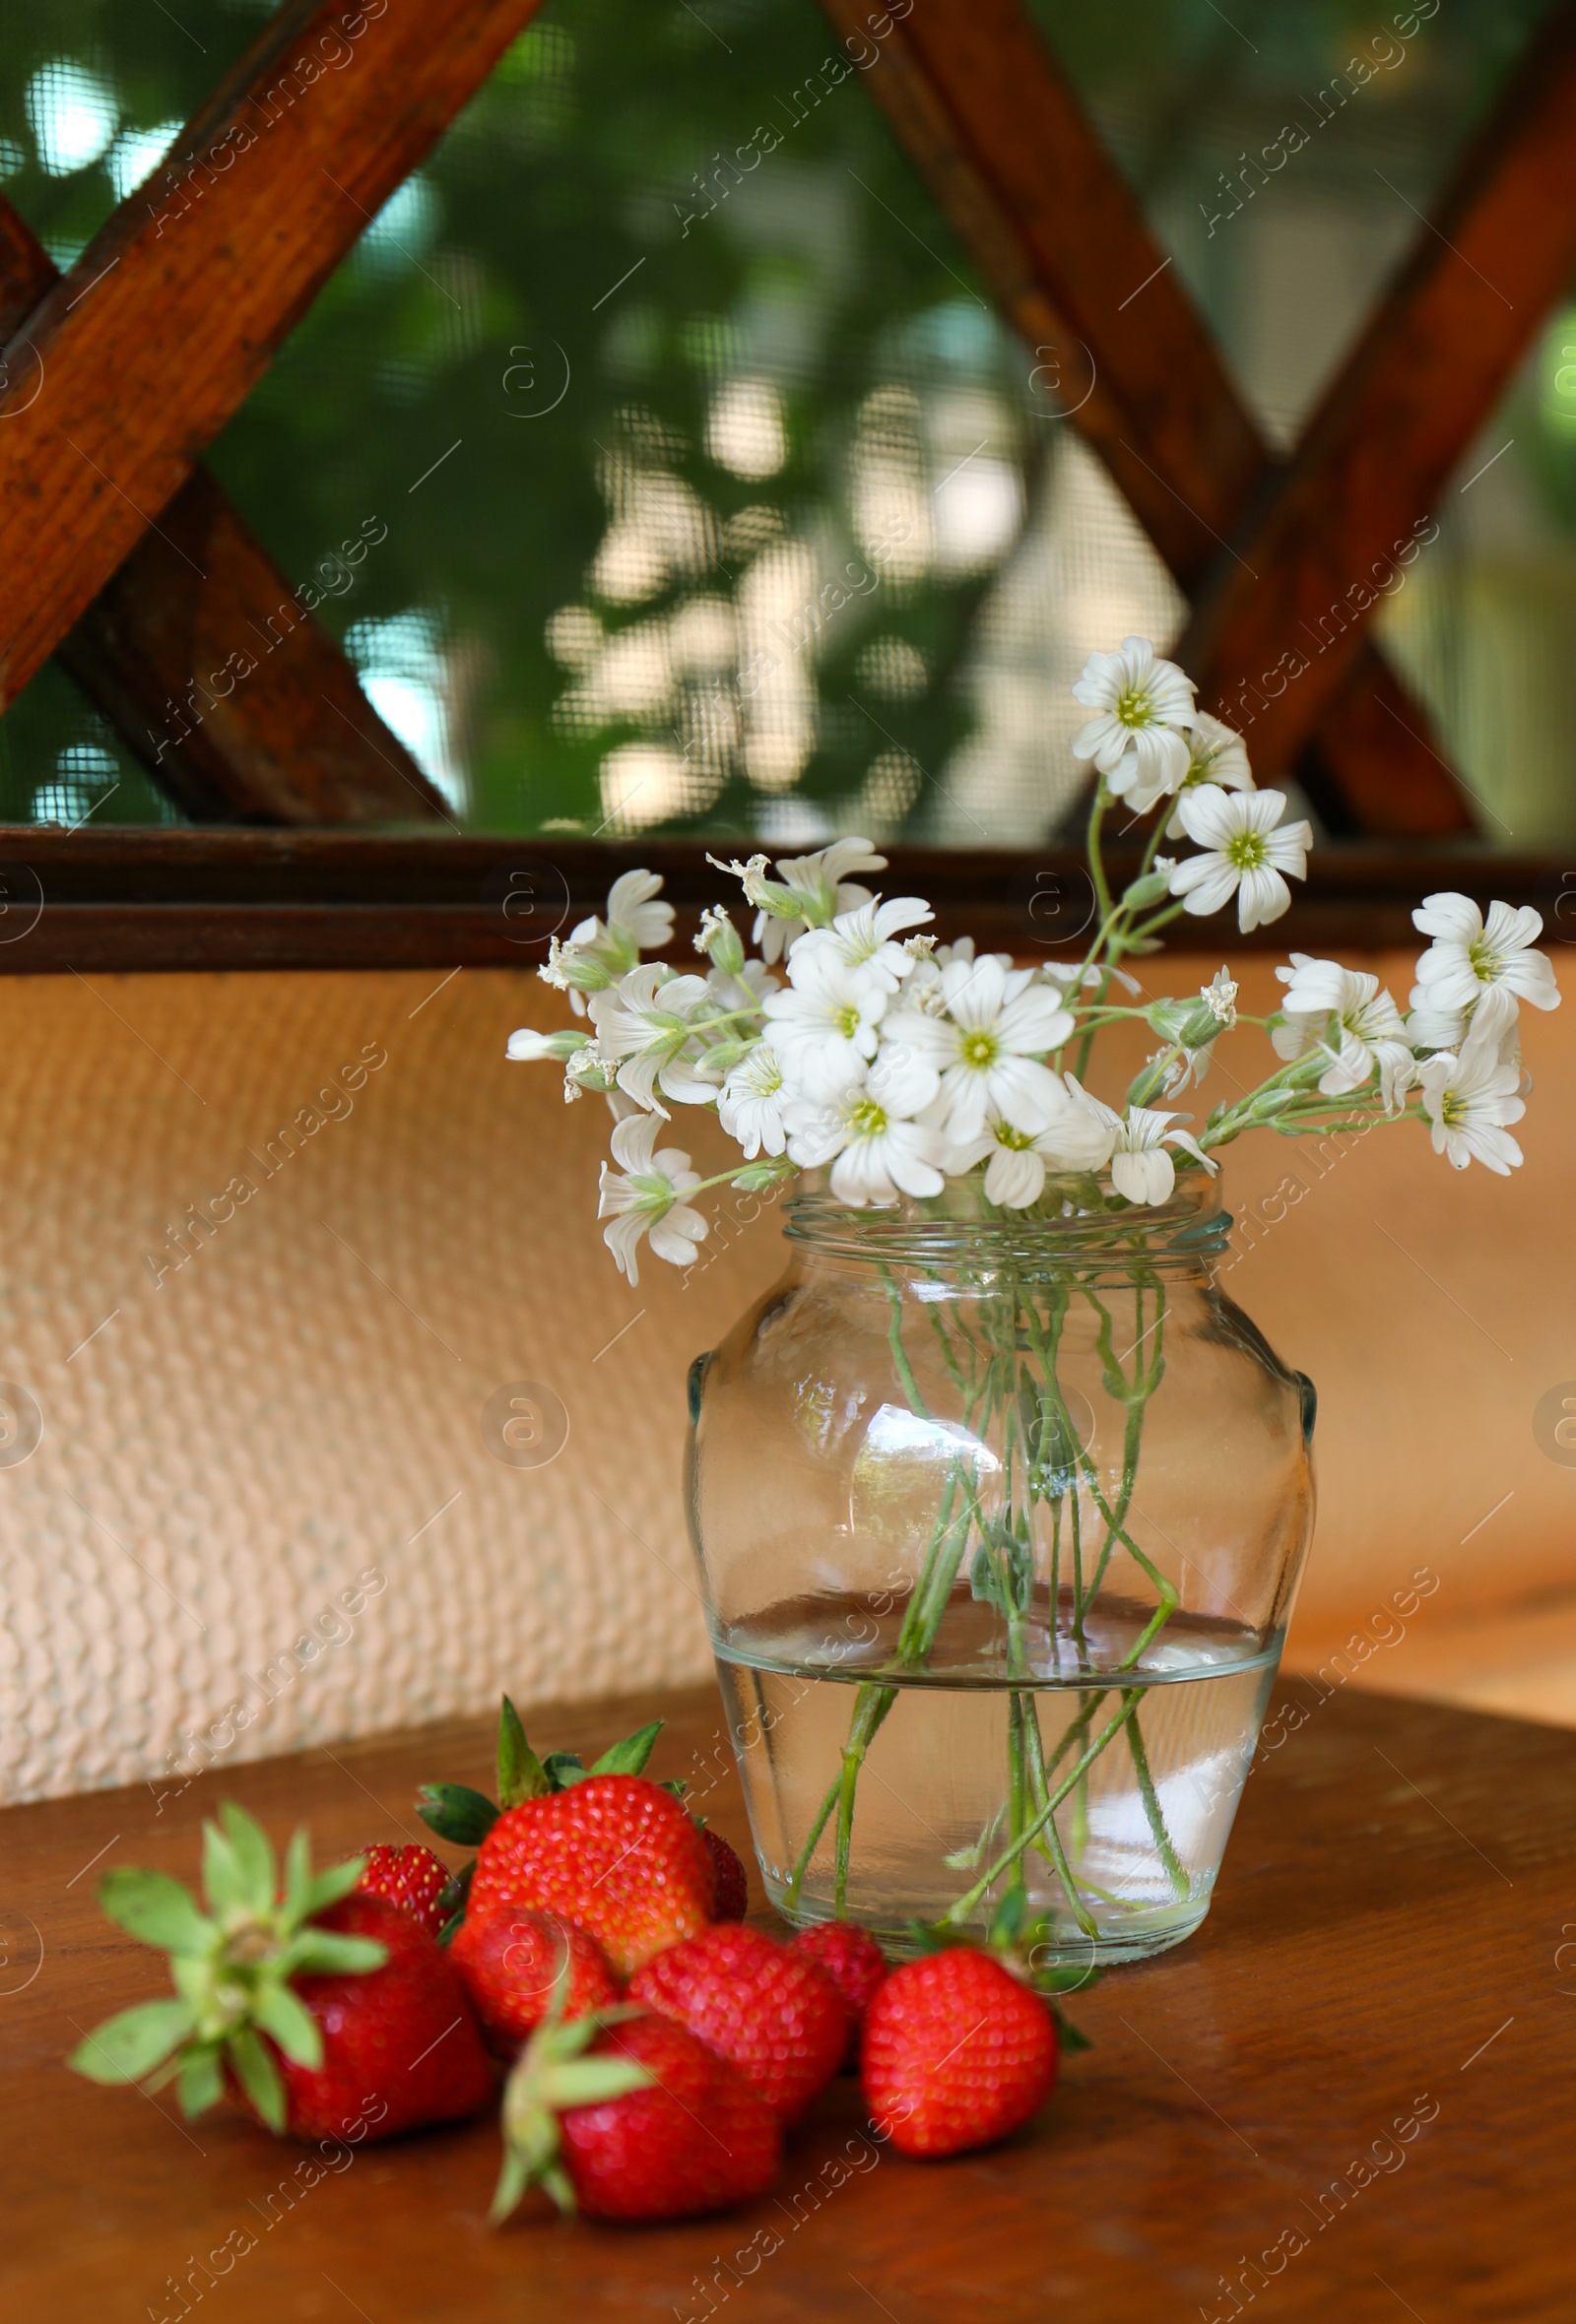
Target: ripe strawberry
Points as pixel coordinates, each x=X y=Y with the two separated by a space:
x=730 y=1896
x=636 y=2120
x=411 y=1878
x=856 y=1964
x=773 y=2013
x=616 y=1853
x=956 y=2052
x=510 y=1962
x=321 y=2007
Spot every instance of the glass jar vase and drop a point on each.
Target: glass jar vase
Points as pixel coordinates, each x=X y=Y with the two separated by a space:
x=1000 y=1519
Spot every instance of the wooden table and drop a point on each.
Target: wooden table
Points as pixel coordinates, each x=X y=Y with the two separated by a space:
x=1393 y=1944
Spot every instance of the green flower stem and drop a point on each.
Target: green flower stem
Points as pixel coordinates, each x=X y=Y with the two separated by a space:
x=861 y=1734
x=964 y=1904
x=1180 y=1884
x=1049 y=1841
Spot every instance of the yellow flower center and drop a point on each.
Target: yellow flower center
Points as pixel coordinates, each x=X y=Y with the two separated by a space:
x=1246 y=851
x=1134 y=707
x=979 y=1049
x=867 y=1119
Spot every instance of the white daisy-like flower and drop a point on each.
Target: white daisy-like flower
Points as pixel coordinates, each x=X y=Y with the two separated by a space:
x=823 y=1027
x=1080 y=1136
x=1428 y=1027
x=636 y=919
x=866 y=939
x=1142 y=706
x=644 y=1030
x=598 y=952
x=999 y=1024
x=1470 y=1097
x=751 y=1103
x=869 y=1133
x=1370 y=1033
x=820 y=882
x=1217 y=753
x=648 y=1199
x=1140 y=1167
x=1468 y=956
x=1246 y=857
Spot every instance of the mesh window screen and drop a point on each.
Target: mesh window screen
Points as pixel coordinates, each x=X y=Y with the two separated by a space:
x=704 y=488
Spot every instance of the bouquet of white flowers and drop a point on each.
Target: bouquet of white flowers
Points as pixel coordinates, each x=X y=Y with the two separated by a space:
x=856 y=1044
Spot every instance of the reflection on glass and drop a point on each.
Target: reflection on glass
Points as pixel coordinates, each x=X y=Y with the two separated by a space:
x=709 y=493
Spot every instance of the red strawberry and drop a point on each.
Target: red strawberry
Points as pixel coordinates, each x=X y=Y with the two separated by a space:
x=956 y=2052
x=403 y=2036
x=322 y=2008
x=411 y=1878
x=633 y=2121
x=782 y=2022
x=615 y=1853
x=856 y=1964
x=730 y=1897
x=511 y=1960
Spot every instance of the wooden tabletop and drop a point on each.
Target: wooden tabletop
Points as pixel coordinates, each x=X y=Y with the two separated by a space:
x=1347 y=2099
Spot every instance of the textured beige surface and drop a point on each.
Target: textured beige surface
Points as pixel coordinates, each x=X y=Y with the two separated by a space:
x=301 y=1400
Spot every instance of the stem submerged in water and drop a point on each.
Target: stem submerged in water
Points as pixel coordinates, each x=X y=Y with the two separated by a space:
x=1003 y=1366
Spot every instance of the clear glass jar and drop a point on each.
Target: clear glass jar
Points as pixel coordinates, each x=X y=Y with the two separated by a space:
x=1000 y=1519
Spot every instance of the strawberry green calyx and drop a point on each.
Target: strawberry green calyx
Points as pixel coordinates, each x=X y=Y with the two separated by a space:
x=231 y=1965
x=550 y=2075
x=464 y=1816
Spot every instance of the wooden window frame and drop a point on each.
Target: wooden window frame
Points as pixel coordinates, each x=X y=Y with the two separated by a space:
x=102 y=502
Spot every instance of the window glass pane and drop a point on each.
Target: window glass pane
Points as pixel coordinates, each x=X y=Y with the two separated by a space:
x=705 y=490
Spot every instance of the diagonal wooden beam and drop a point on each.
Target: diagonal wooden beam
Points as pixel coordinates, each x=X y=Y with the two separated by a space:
x=1365 y=485
x=140 y=353
x=219 y=685
x=1018 y=168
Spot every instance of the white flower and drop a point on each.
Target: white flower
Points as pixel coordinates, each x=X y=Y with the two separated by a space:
x=1064 y=975
x=644 y=1031
x=1080 y=1136
x=998 y=1023
x=1428 y=1027
x=1466 y=957
x=817 y=884
x=864 y=939
x=1368 y=1024
x=719 y=940
x=1246 y=852
x=649 y=1200
x=823 y=1028
x=1220 y=997
x=1141 y=703
x=1470 y=1097
x=751 y=1104
x=599 y=952
x=634 y=920
x=1217 y=754
x=527 y=1047
x=869 y=1134
x=1140 y=1167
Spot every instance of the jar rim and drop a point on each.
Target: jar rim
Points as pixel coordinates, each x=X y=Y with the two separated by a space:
x=1080 y=1217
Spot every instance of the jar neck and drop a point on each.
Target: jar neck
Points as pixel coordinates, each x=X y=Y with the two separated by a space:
x=1081 y=1228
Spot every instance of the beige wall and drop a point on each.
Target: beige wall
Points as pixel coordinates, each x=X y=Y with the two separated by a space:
x=301 y=1401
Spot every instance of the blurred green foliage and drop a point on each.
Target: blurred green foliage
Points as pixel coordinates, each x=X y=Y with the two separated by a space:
x=591 y=222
